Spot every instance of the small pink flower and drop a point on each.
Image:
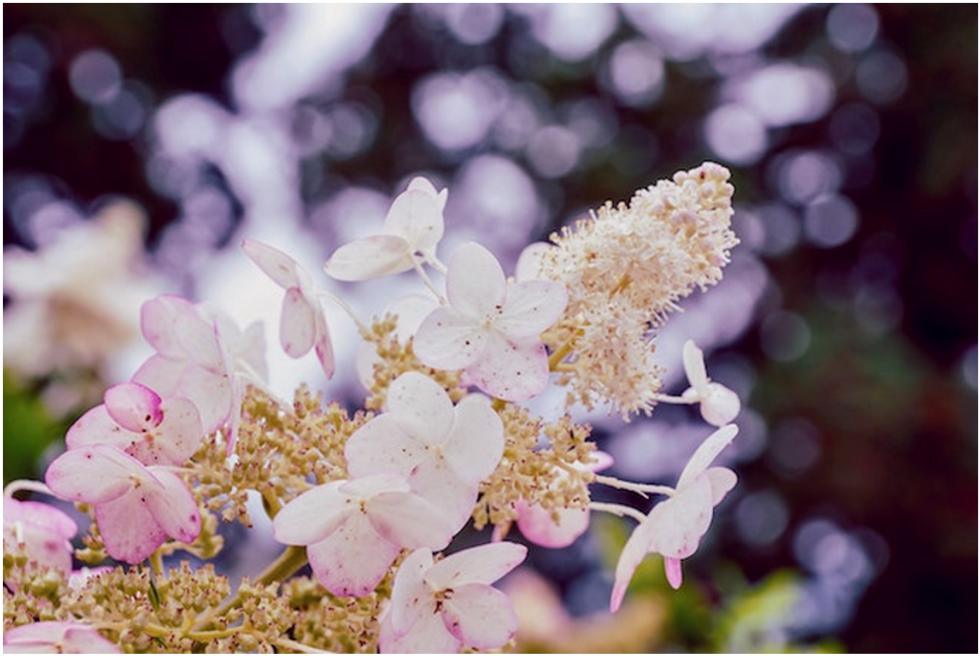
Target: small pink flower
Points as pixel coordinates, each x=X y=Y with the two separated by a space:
x=492 y=329
x=674 y=527
x=45 y=532
x=136 y=420
x=719 y=405
x=353 y=530
x=439 y=607
x=56 y=638
x=302 y=324
x=136 y=507
x=414 y=225
x=443 y=451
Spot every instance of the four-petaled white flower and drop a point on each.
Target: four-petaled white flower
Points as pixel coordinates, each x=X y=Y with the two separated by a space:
x=492 y=329
x=354 y=529
x=302 y=324
x=414 y=224
x=43 y=530
x=443 y=451
x=56 y=638
x=136 y=420
x=136 y=507
x=719 y=405
x=674 y=527
x=439 y=607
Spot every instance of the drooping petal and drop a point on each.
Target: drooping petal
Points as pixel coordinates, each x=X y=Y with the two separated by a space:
x=479 y=616
x=97 y=427
x=722 y=481
x=273 y=262
x=448 y=340
x=475 y=283
x=416 y=217
x=697 y=376
x=677 y=524
x=173 y=507
x=94 y=473
x=538 y=525
x=39 y=516
x=420 y=407
x=297 y=324
x=511 y=370
x=379 y=446
x=312 y=516
x=476 y=444
x=531 y=308
x=409 y=521
x=672 y=568
x=133 y=406
x=352 y=560
x=483 y=564
x=427 y=636
x=411 y=599
x=635 y=550
x=324 y=347
x=370 y=257
x=706 y=453
x=129 y=530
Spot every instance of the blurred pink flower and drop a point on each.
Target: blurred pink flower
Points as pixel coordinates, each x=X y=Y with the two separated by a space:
x=45 y=532
x=56 y=638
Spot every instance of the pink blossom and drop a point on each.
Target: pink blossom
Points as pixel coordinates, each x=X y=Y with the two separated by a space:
x=302 y=324
x=353 y=530
x=136 y=420
x=443 y=451
x=719 y=405
x=414 y=225
x=674 y=527
x=492 y=329
x=439 y=607
x=56 y=638
x=136 y=507
x=45 y=532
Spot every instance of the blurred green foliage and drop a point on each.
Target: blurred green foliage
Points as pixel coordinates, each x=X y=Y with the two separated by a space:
x=28 y=429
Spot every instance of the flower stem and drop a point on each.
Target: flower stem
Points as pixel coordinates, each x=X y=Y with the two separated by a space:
x=639 y=488
x=428 y=282
x=618 y=510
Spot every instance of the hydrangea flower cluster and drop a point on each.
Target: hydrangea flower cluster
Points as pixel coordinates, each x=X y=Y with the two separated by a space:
x=370 y=499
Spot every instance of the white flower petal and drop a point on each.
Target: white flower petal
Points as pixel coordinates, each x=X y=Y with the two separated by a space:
x=379 y=446
x=538 y=526
x=312 y=516
x=434 y=480
x=677 y=524
x=157 y=318
x=719 y=405
x=97 y=427
x=133 y=406
x=420 y=407
x=419 y=183
x=476 y=444
x=448 y=340
x=722 y=481
x=475 y=283
x=297 y=323
x=530 y=262
x=427 y=636
x=371 y=257
x=483 y=564
x=211 y=392
x=531 y=308
x=173 y=507
x=694 y=366
x=416 y=217
x=129 y=531
x=409 y=521
x=480 y=616
x=706 y=453
x=411 y=599
x=511 y=370
x=352 y=560
x=94 y=473
x=635 y=550
x=273 y=262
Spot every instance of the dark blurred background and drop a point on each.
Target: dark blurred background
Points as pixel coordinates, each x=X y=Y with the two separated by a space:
x=851 y=131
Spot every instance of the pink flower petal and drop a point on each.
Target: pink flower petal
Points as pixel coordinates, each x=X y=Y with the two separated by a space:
x=297 y=324
x=133 y=406
x=273 y=262
x=635 y=550
x=93 y=474
x=411 y=599
x=513 y=371
x=173 y=506
x=129 y=530
x=312 y=516
x=483 y=564
x=706 y=453
x=161 y=374
x=416 y=217
x=448 y=340
x=420 y=407
x=199 y=340
x=56 y=637
x=476 y=444
x=324 y=347
x=379 y=446
x=97 y=427
x=427 y=636
x=722 y=481
x=531 y=308
x=178 y=436
x=719 y=405
x=409 y=521
x=479 y=616
x=538 y=526
x=211 y=392
x=475 y=284
x=352 y=560
x=672 y=568
x=678 y=523
x=157 y=317
x=368 y=258
x=434 y=480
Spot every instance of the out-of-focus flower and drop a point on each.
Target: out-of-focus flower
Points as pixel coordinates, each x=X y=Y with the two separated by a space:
x=136 y=420
x=439 y=607
x=353 y=530
x=414 y=224
x=674 y=527
x=443 y=451
x=719 y=405
x=43 y=530
x=56 y=638
x=492 y=329
x=136 y=507
x=73 y=298
x=302 y=325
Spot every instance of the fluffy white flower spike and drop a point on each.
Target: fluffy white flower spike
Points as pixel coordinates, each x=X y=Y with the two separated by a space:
x=719 y=405
x=414 y=225
x=439 y=607
x=674 y=527
x=302 y=324
x=492 y=329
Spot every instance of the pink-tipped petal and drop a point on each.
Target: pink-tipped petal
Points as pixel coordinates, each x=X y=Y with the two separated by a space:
x=324 y=347
x=512 y=371
x=448 y=340
x=133 y=406
x=312 y=516
x=297 y=324
x=411 y=599
x=480 y=616
x=94 y=473
x=157 y=317
x=368 y=258
x=672 y=567
x=97 y=427
x=161 y=374
x=173 y=507
x=531 y=308
x=706 y=453
x=483 y=564
x=678 y=524
x=199 y=340
x=86 y=640
x=178 y=436
x=635 y=550
x=273 y=262
x=538 y=525
x=420 y=407
x=352 y=560
x=475 y=283
x=129 y=531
